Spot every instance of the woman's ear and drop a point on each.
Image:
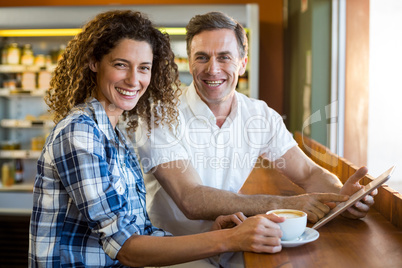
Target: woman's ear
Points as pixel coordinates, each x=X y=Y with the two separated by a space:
x=93 y=65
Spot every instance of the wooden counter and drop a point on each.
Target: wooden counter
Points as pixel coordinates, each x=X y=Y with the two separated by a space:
x=375 y=241
x=372 y=242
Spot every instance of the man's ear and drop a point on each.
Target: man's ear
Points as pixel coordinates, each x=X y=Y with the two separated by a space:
x=93 y=65
x=243 y=65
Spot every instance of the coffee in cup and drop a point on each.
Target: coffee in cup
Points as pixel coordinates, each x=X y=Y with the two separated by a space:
x=294 y=224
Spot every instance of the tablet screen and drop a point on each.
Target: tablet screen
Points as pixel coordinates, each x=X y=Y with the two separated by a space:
x=341 y=207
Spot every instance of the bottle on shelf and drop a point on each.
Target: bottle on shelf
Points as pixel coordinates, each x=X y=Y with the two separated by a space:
x=7 y=174
x=4 y=51
x=40 y=60
x=27 y=56
x=28 y=80
x=13 y=54
x=19 y=171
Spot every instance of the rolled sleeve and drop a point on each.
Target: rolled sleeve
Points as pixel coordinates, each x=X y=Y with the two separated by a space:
x=279 y=140
x=160 y=146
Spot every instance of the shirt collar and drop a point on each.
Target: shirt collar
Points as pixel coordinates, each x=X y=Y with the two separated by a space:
x=201 y=110
x=95 y=109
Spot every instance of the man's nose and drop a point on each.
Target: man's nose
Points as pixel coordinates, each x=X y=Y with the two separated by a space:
x=213 y=67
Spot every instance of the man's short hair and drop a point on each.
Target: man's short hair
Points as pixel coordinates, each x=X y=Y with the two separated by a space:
x=213 y=21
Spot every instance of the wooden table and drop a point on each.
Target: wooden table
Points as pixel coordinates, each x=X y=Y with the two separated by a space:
x=370 y=242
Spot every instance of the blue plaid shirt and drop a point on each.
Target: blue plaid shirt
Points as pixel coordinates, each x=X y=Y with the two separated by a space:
x=89 y=194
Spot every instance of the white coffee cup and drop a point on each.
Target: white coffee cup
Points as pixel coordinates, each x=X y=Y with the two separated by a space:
x=294 y=224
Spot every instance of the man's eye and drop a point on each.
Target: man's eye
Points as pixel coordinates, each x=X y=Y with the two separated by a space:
x=201 y=58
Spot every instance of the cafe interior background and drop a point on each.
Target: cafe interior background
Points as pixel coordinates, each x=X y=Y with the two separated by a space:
x=329 y=67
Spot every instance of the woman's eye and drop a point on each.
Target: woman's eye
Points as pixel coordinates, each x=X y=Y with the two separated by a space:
x=120 y=64
x=145 y=68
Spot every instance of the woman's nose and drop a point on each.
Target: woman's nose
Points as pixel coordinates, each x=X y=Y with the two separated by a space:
x=132 y=78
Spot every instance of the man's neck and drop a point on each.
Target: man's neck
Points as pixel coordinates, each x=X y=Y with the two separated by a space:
x=221 y=110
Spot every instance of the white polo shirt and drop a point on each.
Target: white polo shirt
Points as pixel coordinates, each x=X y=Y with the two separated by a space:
x=223 y=157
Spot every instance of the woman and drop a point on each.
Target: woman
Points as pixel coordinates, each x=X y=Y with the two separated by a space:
x=89 y=195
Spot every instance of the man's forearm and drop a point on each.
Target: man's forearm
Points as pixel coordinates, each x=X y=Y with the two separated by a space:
x=323 y=181
x=208 y=203
x=307 y=174
x=182 y=182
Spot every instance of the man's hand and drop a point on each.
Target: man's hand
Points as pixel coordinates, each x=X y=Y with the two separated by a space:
x=228 y=221
x=316 y=205
x=352 y=185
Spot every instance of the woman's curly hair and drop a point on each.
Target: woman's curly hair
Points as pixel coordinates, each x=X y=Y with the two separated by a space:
x=74 y=83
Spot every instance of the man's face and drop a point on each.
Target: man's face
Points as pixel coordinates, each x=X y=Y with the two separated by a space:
x=215 y=65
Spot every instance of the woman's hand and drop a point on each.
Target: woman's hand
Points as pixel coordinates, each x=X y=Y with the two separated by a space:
x=260 y=234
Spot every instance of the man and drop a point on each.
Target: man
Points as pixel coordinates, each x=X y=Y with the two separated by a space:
x=200 y=165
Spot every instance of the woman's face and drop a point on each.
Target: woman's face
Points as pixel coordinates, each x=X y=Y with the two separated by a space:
x=122 y=76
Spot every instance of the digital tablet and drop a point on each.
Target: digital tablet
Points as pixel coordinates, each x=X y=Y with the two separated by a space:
x=341 y=207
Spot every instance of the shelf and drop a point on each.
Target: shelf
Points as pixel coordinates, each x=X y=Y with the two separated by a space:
x=15 y=123
x=23 y=187
x=10 y=93
x=7 y=68
x=22 y=154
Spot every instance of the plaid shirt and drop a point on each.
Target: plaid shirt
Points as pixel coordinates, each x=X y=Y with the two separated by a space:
x=89 y=194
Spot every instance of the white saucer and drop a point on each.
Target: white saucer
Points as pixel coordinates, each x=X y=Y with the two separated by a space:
x=308 y=236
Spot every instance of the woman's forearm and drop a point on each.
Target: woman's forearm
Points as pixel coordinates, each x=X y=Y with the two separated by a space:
x=260 y=233
x=141 y=250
